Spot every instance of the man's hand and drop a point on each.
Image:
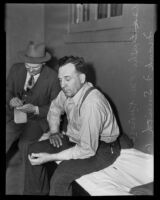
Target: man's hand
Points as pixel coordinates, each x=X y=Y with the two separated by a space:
x=15 y=102
x=39 y=158
x=45 y=136
x=27 y=108
x=55 y=139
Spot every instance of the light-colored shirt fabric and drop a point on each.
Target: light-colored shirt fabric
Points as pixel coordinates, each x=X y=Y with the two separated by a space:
x=25 y=87
x=28 y=77
x=95 y=122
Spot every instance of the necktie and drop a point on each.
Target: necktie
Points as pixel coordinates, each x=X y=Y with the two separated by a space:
x=31 y=82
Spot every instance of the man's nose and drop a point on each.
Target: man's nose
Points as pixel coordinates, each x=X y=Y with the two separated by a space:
x=63 y=83
x=31 y=69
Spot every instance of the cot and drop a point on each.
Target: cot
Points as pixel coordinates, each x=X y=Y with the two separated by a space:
x=131 y=169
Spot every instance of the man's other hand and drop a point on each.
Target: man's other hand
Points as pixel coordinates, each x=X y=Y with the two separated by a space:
x=15 y=102
x=39 y=158
x=55 y=139
x=27 y=108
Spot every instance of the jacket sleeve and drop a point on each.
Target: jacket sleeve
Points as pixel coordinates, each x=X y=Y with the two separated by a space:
x=10 y=89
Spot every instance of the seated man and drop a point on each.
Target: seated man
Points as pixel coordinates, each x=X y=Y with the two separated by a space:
x=35 y=85
x=90 y=142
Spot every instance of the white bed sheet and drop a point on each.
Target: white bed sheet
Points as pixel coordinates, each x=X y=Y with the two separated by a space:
x=132 y=168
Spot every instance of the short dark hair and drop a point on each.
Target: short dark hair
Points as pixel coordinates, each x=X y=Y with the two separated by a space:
x=78 y=62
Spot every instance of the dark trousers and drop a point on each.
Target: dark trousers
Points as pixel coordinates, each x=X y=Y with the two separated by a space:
x=26 y=132
x=36 y=177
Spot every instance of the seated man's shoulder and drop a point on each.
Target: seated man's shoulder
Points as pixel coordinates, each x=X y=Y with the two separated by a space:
x=94 y=98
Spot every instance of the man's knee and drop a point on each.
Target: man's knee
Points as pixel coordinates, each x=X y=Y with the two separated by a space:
x=32 y=147
x=37 y=147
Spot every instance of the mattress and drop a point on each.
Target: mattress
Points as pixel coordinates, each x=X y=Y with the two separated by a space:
x=132 y=168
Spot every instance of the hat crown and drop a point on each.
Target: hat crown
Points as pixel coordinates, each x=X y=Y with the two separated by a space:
x=35 y=51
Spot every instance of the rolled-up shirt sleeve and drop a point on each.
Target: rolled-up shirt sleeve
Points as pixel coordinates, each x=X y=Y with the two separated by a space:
x=91 y=126
x=55 y=111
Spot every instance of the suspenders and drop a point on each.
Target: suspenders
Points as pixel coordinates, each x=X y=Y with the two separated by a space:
x=85 y=95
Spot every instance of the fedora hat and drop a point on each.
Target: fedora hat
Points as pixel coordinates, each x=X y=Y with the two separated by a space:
x=35 y=53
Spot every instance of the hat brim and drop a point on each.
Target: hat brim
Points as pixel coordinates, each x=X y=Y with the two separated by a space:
x=34 y=60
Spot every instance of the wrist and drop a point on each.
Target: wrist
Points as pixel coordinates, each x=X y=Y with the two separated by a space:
x=53 y=132
x=53 y=157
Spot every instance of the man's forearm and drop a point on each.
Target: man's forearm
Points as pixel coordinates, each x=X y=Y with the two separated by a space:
x=63 y=155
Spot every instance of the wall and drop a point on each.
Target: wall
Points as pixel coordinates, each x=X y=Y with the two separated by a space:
x=124 y=70
x=24 y=22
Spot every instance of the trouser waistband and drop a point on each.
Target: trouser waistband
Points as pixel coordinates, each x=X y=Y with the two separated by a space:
x=112 y=145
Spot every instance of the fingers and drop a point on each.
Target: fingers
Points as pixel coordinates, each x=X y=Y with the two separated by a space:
x=30 y=159
x=60 y=141
x=39 y=158
x=29 y=108
x=53 y=141
x=56 y=140
x=15 y=102
x=18 y=102
x=33 y=160
x=61 y=135
x=35 y=155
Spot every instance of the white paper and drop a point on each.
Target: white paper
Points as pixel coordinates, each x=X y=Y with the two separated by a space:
x=19 y=116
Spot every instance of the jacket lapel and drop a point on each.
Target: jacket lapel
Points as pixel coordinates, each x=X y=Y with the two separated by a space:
x=22 y=78
x=40 y=79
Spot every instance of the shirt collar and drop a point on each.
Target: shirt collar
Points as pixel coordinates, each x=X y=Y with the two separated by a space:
x=35 y=76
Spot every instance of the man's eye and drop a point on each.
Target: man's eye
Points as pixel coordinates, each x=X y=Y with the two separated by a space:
x=68 y=79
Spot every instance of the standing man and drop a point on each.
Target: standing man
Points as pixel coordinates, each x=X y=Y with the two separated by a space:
x=90 y=142
x=33 y=85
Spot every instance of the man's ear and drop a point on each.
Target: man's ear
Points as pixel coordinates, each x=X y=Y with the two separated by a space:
x=82 y=78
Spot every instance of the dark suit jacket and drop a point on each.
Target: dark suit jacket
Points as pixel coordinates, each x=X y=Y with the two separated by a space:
x=44 y=91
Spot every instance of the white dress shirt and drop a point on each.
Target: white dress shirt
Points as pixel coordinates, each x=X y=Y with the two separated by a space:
x=96 y=121
x=28 y=77
x=25 y=87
